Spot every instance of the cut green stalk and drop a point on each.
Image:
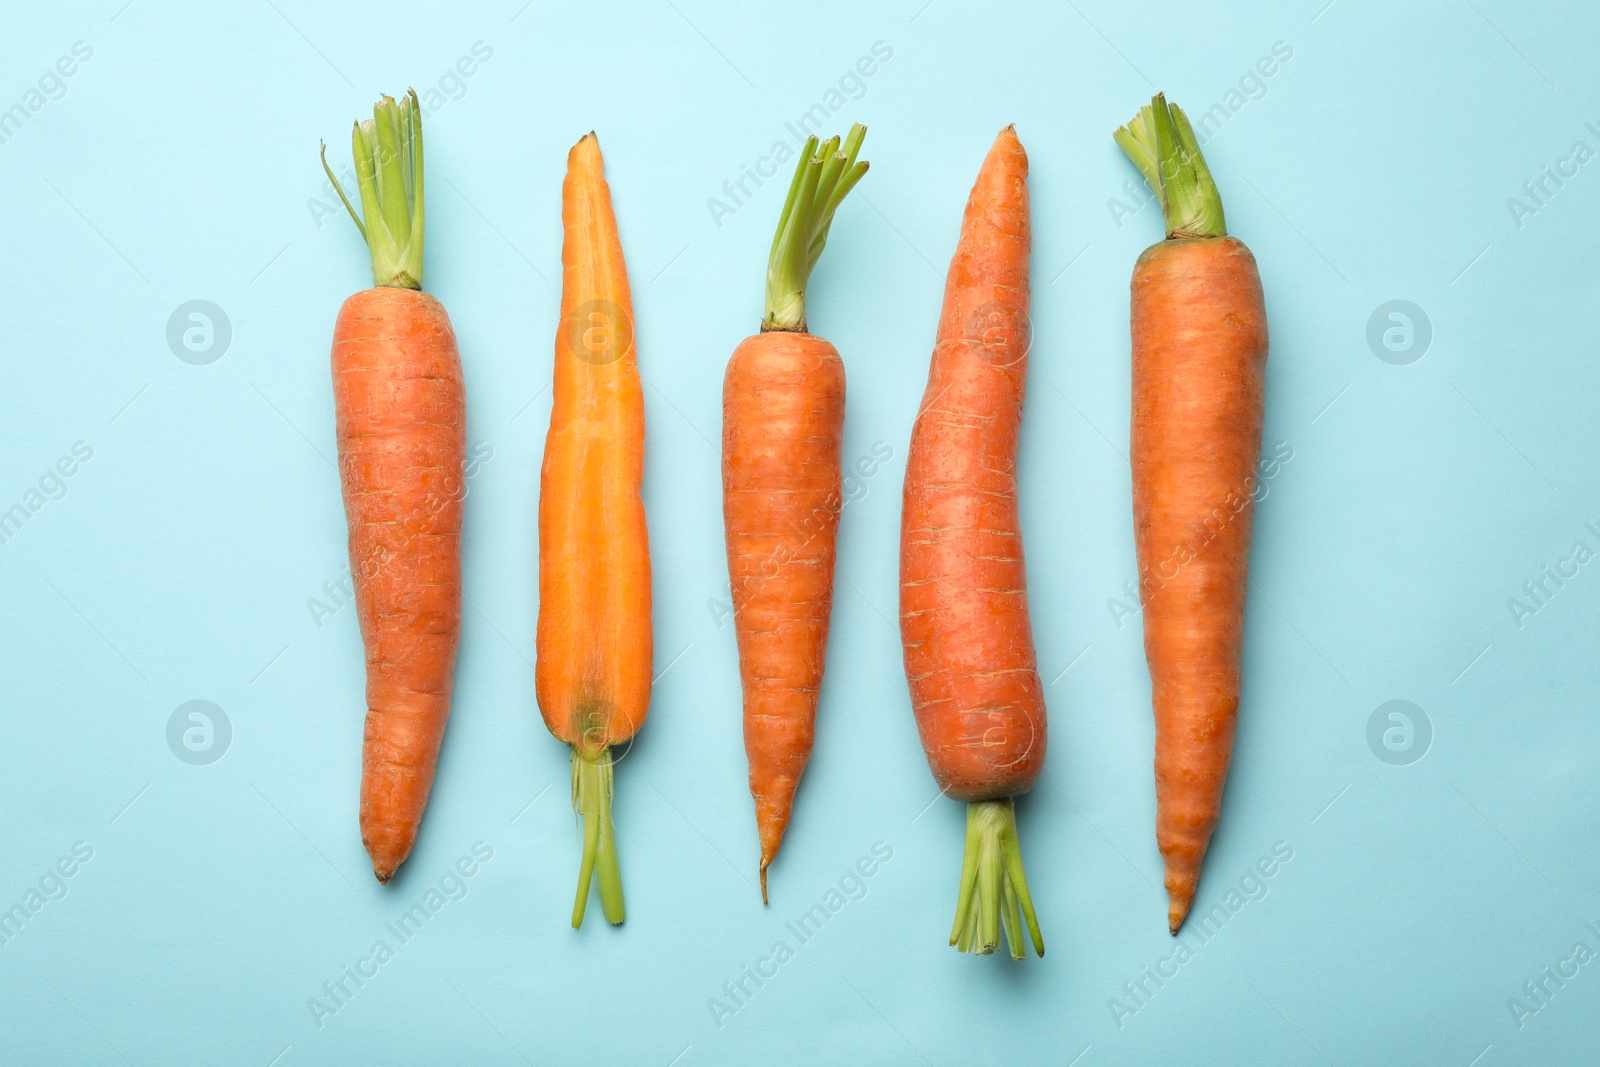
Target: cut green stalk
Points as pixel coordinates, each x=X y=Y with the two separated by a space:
x=1161 y=143
x=824 y=176
x=994 y=891
x=388 y=156
x=591 y=797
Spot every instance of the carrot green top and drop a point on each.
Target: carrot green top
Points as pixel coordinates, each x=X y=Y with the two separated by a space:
x=1161 y=144
x=388 y=152
x=825 y=174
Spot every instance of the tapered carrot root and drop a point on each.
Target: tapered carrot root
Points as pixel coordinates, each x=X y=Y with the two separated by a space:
x=964 y=620
x=1199 y=335
x=402 y=440
x=594 y=643
x=782 y=427
x=1199 y=359
x=401 y=410
x=783 y=399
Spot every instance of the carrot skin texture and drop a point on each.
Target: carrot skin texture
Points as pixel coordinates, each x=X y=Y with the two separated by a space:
x=594 y=639
x=401 y=424
x=964 y=621
x=782 y=435
x=1199 y=333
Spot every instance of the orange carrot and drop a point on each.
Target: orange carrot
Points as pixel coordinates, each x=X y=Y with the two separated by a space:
x=594 y=643
x=1199 y=359
x=782 y=426
x=402 y=434
x=963 y=590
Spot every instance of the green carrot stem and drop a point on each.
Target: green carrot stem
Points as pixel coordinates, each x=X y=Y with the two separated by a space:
x=994 y=895
x=823 y=177
x=1161 y=143
x=388 y=157
x=591 y=798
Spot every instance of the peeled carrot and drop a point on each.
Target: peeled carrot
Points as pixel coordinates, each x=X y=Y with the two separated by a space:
x=1199 y=332
x=594 y=643
x=782 y=428
x=402 y=437
x=964 y=621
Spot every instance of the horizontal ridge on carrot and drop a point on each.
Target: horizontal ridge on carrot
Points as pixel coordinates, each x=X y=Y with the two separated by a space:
x=1199 y=331
x=782 y=429
x=402 y=438
x=595 y=647
x=964 y=621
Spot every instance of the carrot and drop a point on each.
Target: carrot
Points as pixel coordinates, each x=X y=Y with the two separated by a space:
x=1199 y=331
x=964 y=622
x=594 y=642
x=782 y=428
x=402 y=436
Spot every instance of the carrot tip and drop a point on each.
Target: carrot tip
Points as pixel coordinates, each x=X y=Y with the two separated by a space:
x=763 y=884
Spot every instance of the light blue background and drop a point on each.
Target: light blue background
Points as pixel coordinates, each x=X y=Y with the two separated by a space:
x=181 y=164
